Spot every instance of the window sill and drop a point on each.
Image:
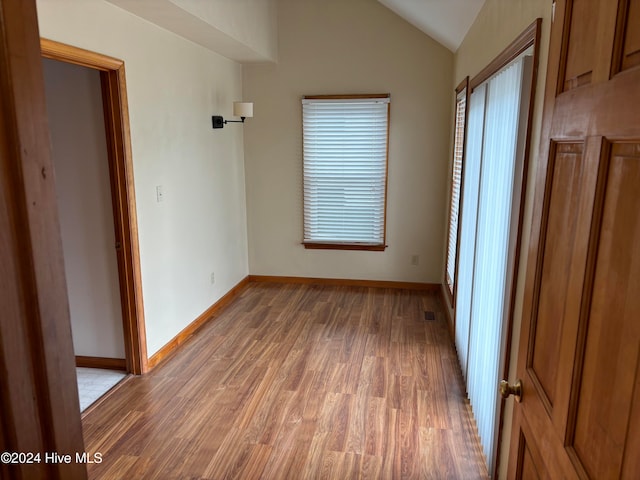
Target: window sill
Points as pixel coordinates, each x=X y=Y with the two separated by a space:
x=344 y=246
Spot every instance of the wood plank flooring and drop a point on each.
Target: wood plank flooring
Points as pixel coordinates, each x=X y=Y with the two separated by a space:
x=298 y=382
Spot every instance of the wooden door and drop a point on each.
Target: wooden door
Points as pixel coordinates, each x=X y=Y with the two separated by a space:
x=579 y=347
x=39 y=410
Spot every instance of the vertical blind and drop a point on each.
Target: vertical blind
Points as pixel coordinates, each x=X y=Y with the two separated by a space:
x=456 y=178
x=475 y=131
x=345 y=169
x=492 y=250
x=492 y=183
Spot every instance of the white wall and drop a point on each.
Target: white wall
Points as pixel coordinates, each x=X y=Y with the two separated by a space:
x=341 y=47
x=498 y=24
x=76 y=123
x=174 y=86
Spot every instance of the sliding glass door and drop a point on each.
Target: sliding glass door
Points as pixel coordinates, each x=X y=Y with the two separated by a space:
x=498 y=114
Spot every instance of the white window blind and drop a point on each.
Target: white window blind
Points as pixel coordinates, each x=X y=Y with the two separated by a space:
x=456 y=179
x=345 y=169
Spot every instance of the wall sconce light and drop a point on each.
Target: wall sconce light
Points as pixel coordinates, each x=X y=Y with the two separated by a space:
x=240 y=109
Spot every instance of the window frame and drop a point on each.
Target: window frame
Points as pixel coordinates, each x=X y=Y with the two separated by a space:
x=351 y=245
x=451 y=288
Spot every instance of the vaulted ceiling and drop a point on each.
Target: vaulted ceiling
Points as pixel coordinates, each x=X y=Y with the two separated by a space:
x=446 y=21
x=247 y=31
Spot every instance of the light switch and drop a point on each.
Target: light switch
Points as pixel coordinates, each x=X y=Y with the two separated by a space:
x=159 y=193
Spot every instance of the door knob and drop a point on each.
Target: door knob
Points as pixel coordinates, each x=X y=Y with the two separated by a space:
x=516 y=390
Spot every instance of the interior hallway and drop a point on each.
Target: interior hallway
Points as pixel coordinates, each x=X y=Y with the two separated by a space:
x=298 y=381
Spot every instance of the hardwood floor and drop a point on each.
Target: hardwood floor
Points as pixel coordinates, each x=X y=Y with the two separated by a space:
x=298 y=382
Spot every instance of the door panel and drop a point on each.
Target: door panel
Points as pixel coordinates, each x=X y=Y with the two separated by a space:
x=579 y=45
x=528 y=466
x=612 y=343
x=579 y=356
x=566 y=184
x=628 y=34
x=528 y=470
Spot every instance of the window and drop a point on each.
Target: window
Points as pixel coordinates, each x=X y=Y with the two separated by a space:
x=345 y=144
x=456 y=182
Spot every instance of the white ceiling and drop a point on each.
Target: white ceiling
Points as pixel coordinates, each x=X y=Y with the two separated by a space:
x=446 y=21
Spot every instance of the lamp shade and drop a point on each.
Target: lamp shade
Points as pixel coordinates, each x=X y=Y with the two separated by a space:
x=242 y=109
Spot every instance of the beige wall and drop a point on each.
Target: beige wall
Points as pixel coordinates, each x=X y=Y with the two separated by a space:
x=334 y=47
x=241 y=30
x=174 y=86
x=498 y=24
x=79 y=148
x=251 y=22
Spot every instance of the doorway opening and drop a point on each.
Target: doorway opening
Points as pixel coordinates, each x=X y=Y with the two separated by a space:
x=121 y=188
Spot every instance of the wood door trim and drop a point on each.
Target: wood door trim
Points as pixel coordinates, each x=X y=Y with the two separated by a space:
x=444 y=294
x=530 y=36
x=116 y=116
x=78 y=56
x=101 y=362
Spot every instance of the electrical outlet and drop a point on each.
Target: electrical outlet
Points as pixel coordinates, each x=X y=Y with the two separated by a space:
x=415 y=260
x=213 y=278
